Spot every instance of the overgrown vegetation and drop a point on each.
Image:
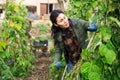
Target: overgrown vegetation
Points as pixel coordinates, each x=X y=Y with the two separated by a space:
x=100 y=61
x=15 y=56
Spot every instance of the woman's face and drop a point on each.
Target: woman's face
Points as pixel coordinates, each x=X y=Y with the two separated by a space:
x=62 y=21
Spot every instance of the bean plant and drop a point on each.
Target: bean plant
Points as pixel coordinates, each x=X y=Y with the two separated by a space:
x=100 y=60
x=15 y=56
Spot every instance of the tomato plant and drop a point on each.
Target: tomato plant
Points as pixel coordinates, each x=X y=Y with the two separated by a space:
x=15 y=56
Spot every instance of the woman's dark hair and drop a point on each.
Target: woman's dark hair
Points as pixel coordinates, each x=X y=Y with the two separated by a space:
x=54 y=14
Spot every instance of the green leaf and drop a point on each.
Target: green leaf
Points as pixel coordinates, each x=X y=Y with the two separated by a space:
x=18 y=26
x=14 y=70
x=7 y=54
x=102 y=8
x=90 y=70
x=85 y=54
x=85 y=68
x=115 y=20
x=30 y=57
x=106 y=33
x=6 y=74
x=12 y=38
x=88 y=14
x=102 y=50
x=118 y=72
x=94 y=76
x=77 y=3
x=95 y=68
x=5 y=24
x=109 y=54
x=94 y=3
x=111 y=46
x=2 y=46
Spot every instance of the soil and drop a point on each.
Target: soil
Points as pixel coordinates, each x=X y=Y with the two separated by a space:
x=41 y=71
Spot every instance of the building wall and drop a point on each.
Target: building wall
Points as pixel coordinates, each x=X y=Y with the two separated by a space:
x=43 y=8
x=38 y=3
x=2 y=1
x=48 y=1
x=41 y=5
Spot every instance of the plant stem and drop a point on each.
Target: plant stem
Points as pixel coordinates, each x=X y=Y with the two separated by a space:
x=91 y=39
x=64 y=72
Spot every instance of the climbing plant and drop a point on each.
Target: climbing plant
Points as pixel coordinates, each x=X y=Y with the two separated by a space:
x=15 y=56
x=101 y=60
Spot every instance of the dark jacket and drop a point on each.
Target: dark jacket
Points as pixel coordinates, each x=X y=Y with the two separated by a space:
x=80 y=27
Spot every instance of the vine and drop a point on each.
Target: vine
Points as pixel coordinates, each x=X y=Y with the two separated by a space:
x=100 y=61
x=15 y=53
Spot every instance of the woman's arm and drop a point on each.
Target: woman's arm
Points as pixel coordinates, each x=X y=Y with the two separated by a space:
x=89 y=26
x=57 y=53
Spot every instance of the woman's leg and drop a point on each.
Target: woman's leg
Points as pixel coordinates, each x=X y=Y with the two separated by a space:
x=70 y=66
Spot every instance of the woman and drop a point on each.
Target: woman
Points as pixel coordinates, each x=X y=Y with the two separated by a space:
x=70 y=37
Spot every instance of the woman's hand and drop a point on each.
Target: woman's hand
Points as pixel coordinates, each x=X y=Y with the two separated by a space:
x=58 y=65
x=93 y=27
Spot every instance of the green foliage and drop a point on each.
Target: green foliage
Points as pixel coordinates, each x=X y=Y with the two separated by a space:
x=15 y=57
x=108 y=54
x=56 y=74
x=91 y=70
x=101 y=60
x=43 y=29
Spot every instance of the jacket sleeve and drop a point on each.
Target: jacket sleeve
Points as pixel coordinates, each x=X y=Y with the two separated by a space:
x=58 y=53
x=84 y=23
x=89 y=26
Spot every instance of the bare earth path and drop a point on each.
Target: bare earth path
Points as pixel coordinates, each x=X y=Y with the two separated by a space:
x=42 y=59
x=41 y=67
